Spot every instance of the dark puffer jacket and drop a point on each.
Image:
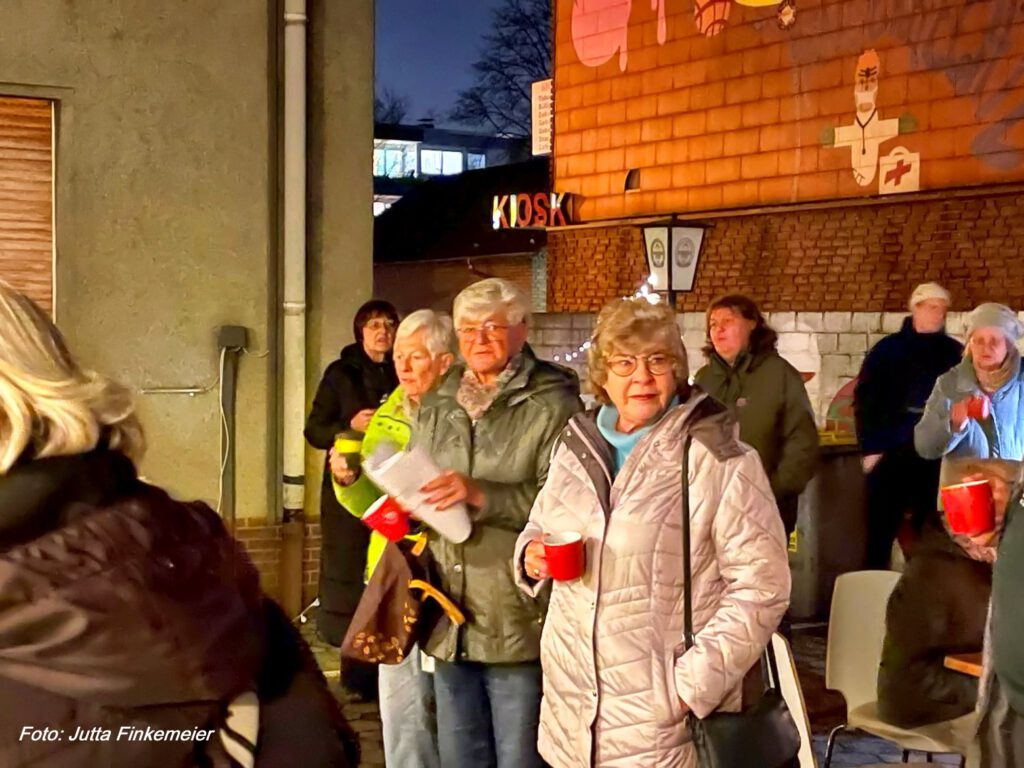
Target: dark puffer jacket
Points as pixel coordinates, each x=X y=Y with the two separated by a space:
x=938 y=608
x=120 y=607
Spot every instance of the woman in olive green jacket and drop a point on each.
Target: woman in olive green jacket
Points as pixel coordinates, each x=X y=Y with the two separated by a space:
x=491 y=425
x=765 y=393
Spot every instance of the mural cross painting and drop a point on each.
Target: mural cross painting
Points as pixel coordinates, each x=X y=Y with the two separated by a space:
x=897 y=173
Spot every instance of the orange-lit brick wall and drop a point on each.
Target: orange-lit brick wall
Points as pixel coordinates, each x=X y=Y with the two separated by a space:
x=857 y=258
x=756 y=114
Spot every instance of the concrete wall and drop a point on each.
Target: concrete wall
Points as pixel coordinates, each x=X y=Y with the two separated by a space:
x=340 y=276
x=167 y=215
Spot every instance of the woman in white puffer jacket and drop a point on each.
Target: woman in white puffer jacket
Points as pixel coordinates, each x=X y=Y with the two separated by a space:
x=618 y=681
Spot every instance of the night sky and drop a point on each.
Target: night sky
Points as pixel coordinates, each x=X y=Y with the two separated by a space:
x=426 y=48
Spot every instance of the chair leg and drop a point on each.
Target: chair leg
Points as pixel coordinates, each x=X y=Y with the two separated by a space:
x=927 y=757
x=963 y=761
x=906 y=756
x=832 y=743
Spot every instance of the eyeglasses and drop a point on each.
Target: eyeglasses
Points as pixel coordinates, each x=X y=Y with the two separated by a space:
x=657 y=364
x=380 y=324
x=489 y=330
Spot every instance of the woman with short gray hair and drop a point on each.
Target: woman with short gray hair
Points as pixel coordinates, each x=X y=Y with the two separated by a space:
x=422 y=353
x=619 y=679
x=990 y=373
x=490 y=425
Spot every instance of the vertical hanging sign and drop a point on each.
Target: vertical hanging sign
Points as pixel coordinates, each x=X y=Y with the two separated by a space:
x=542 y=104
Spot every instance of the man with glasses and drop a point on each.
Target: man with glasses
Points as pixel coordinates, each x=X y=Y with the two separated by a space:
x=490 y=425
x=352 y=389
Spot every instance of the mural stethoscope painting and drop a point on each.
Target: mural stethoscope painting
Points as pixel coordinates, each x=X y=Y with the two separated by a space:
x=600 y=27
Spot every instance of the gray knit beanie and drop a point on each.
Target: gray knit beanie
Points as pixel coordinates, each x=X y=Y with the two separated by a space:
x=999 y=316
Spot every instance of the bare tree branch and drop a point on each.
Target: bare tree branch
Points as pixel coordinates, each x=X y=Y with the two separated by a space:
x=516 y=52
x=390 y=107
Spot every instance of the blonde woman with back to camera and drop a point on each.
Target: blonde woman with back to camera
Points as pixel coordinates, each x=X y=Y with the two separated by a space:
x=121 y=609
x=618 y=682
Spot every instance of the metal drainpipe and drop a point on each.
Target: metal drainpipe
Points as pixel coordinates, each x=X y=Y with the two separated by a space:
x=294 y=308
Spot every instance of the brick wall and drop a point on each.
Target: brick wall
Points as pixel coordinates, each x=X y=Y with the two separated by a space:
x=855 y=258
x=749 y=116
x=263 y=543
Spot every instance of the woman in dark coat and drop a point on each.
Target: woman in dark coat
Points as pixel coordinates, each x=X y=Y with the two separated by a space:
x=938 y=608
x=133 y=631
x=353 y=387
x=765 y=394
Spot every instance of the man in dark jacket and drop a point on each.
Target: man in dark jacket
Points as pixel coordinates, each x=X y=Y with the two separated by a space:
x=938 y=608
x=895 y=381
x=352 y=388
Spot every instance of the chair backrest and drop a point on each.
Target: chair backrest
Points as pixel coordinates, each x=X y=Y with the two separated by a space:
x=856 y=630
x=789 y=684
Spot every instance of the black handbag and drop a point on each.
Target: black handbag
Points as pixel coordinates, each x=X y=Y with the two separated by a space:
x=762 y=736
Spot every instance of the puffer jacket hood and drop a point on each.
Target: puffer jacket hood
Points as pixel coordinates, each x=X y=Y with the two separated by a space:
x=130 y=599
x=612 y=651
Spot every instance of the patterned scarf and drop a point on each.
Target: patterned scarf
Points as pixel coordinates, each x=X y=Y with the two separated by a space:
x=993 y=381
x=476 y=397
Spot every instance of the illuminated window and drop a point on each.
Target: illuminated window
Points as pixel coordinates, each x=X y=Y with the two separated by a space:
x=438 y=162
x=430 y=162
x=475 y=161
x=451 y=163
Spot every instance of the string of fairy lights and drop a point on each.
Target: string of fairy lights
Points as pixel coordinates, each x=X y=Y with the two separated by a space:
x=645 y=292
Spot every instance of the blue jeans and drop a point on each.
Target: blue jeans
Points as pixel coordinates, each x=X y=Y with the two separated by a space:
x=487 y=714
x=408 y=714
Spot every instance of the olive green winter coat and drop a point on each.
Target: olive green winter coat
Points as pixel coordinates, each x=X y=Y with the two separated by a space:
x=506 y=453
x=768 y=398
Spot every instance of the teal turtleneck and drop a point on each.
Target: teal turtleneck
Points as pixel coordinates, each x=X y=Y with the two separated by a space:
x=623 y=443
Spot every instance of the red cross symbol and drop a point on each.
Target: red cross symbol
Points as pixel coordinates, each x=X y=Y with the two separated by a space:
x=897 y=173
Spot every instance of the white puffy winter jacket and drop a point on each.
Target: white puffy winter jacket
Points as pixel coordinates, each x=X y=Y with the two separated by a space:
x=612 y=648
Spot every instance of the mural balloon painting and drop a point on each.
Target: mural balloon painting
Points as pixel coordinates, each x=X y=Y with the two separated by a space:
x=600 y=29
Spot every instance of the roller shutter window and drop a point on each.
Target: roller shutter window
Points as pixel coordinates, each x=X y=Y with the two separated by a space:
x=26 y=196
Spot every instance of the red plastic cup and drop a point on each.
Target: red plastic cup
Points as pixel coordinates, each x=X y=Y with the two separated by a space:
x=969 y=507
x=388 y=517
x=564 y=552
x=978 y=408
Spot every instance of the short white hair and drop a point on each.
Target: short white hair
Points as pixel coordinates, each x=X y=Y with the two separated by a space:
x=489 y=296
x=436 y=327
x=49 y=405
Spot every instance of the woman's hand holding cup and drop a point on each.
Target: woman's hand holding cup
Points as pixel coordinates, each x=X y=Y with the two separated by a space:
x=536 y=562
x=975 y=407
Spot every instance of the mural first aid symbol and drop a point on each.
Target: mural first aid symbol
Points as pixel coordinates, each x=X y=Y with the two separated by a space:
x=899 y=171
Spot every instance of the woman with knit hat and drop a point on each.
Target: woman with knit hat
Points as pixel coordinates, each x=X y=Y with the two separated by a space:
x=991 y=369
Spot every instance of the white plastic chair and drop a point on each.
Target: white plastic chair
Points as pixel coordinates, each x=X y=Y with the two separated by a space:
x=856 y=632
x=789 y=684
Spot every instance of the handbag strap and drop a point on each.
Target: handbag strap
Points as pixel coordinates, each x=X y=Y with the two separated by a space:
x=769 y=652
x=687 y=569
